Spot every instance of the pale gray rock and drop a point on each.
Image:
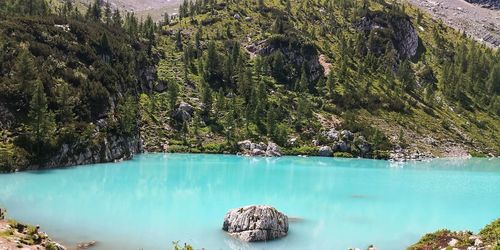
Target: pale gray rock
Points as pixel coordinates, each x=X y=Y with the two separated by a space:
x=332 y=134
x=453 y=242
x=258 y=152
x=341 y=146
x=255 y=223
x=245 y=145
x=346 y=135
x=273 y=150
x=362 y=145
x=325 y=151
x=184 y=112
x=478 y=242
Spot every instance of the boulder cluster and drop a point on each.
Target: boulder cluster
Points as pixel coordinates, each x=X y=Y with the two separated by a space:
x=343 y=141
x=250 y=148
x=256 y=223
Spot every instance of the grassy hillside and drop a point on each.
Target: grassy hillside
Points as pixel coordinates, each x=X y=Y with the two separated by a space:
x=267 y=79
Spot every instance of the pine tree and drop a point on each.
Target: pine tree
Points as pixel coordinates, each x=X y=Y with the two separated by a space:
x=288 y=6
x=66 y=103
x=104 y=50
x=304 y=110
x=166 y=19
x=235 y=54
x=220 y=103
x=117 y=18
x=212 y=66
x=278 y=26
x=25 y=73
x=278 y=67
x=330 y=84
x=42 y=123
x=261 y=5
x=197 y=42
x=127 y=111
x=108 y=13
x=178 y=40
x=96 y=11
x=303 y=84
x=185 y=132
x=228 y=70
x=173 y=94
x=245 y=84
x=206 y=97
x=493 y=82
x=406 y=75
x=196 y=129
x=271 y=121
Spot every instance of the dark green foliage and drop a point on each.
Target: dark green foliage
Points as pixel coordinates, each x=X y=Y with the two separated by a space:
x=61 y=73
x=42 y=124
x=127 y=112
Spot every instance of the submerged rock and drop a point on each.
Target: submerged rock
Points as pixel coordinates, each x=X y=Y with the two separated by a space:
x=256 y=223
x=85 y=245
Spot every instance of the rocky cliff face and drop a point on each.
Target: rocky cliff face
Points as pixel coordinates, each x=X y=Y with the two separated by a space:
x=110 y=148
x=294 y=52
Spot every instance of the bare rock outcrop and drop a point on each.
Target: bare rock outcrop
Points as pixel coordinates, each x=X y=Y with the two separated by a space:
x=383 y=28
x=256 y=223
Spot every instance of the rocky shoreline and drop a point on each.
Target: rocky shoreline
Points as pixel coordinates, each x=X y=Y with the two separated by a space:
x=15 y=235
x=487 y=239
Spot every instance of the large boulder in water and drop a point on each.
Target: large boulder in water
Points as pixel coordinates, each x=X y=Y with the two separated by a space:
x=256 y=223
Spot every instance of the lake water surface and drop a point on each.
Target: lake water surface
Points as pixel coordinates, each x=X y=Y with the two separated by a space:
x=154 y=199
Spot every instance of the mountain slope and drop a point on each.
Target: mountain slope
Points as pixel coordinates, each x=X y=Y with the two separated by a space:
x=257 y=72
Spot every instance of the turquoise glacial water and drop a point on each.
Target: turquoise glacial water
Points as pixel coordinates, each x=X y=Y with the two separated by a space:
x=154 y=199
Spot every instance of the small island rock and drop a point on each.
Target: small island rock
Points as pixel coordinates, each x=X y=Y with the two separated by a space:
x=256 y=223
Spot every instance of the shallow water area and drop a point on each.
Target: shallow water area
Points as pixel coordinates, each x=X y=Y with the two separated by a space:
x=154 y=199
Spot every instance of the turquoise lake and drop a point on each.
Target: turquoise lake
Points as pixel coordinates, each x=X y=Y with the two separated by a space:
x=154 y=199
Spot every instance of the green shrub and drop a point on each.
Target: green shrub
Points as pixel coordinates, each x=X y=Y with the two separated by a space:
x=213 y=148
x=178 y=149
x=342 y=155
x=491 y=234
x=302 y=150
x=175 y=246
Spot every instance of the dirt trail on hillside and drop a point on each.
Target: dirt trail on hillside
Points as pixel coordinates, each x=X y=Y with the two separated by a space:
x=480 y=23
